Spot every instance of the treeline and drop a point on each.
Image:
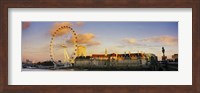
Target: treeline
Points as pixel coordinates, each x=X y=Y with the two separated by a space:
x=45 y=63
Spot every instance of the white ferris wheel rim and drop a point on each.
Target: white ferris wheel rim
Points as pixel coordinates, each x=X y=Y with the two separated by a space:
x=73 y=56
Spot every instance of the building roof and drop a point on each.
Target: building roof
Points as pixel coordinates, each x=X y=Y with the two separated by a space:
x=98 y=55
x=114 y=54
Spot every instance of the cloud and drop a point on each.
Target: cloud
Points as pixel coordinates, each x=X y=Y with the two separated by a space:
x=155 y=41
x=164 y=40
x=86 y=39
x=58 y=25
x=64 y=31
x=25 y=25
x=79 y=23
x=129 y=40
x=93 y=43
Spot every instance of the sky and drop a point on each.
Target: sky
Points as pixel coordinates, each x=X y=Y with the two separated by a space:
x=116 y=37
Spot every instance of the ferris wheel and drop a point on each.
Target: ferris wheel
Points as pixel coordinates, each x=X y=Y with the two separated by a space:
x=68 y=58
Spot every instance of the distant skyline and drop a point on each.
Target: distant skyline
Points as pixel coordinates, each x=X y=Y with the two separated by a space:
x=116 y=37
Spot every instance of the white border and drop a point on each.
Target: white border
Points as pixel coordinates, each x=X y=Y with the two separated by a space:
x=181 y=77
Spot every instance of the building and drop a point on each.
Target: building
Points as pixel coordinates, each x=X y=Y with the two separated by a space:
x=100 y=56
x=114 y=59
x=81 y=51
x=28 y=61
x=83 y=61
x=122 y=58
x=175 y=57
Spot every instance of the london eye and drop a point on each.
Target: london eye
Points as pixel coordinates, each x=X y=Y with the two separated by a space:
x=68 y=46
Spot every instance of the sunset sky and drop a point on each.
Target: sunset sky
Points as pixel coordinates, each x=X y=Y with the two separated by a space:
x=116 y=37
